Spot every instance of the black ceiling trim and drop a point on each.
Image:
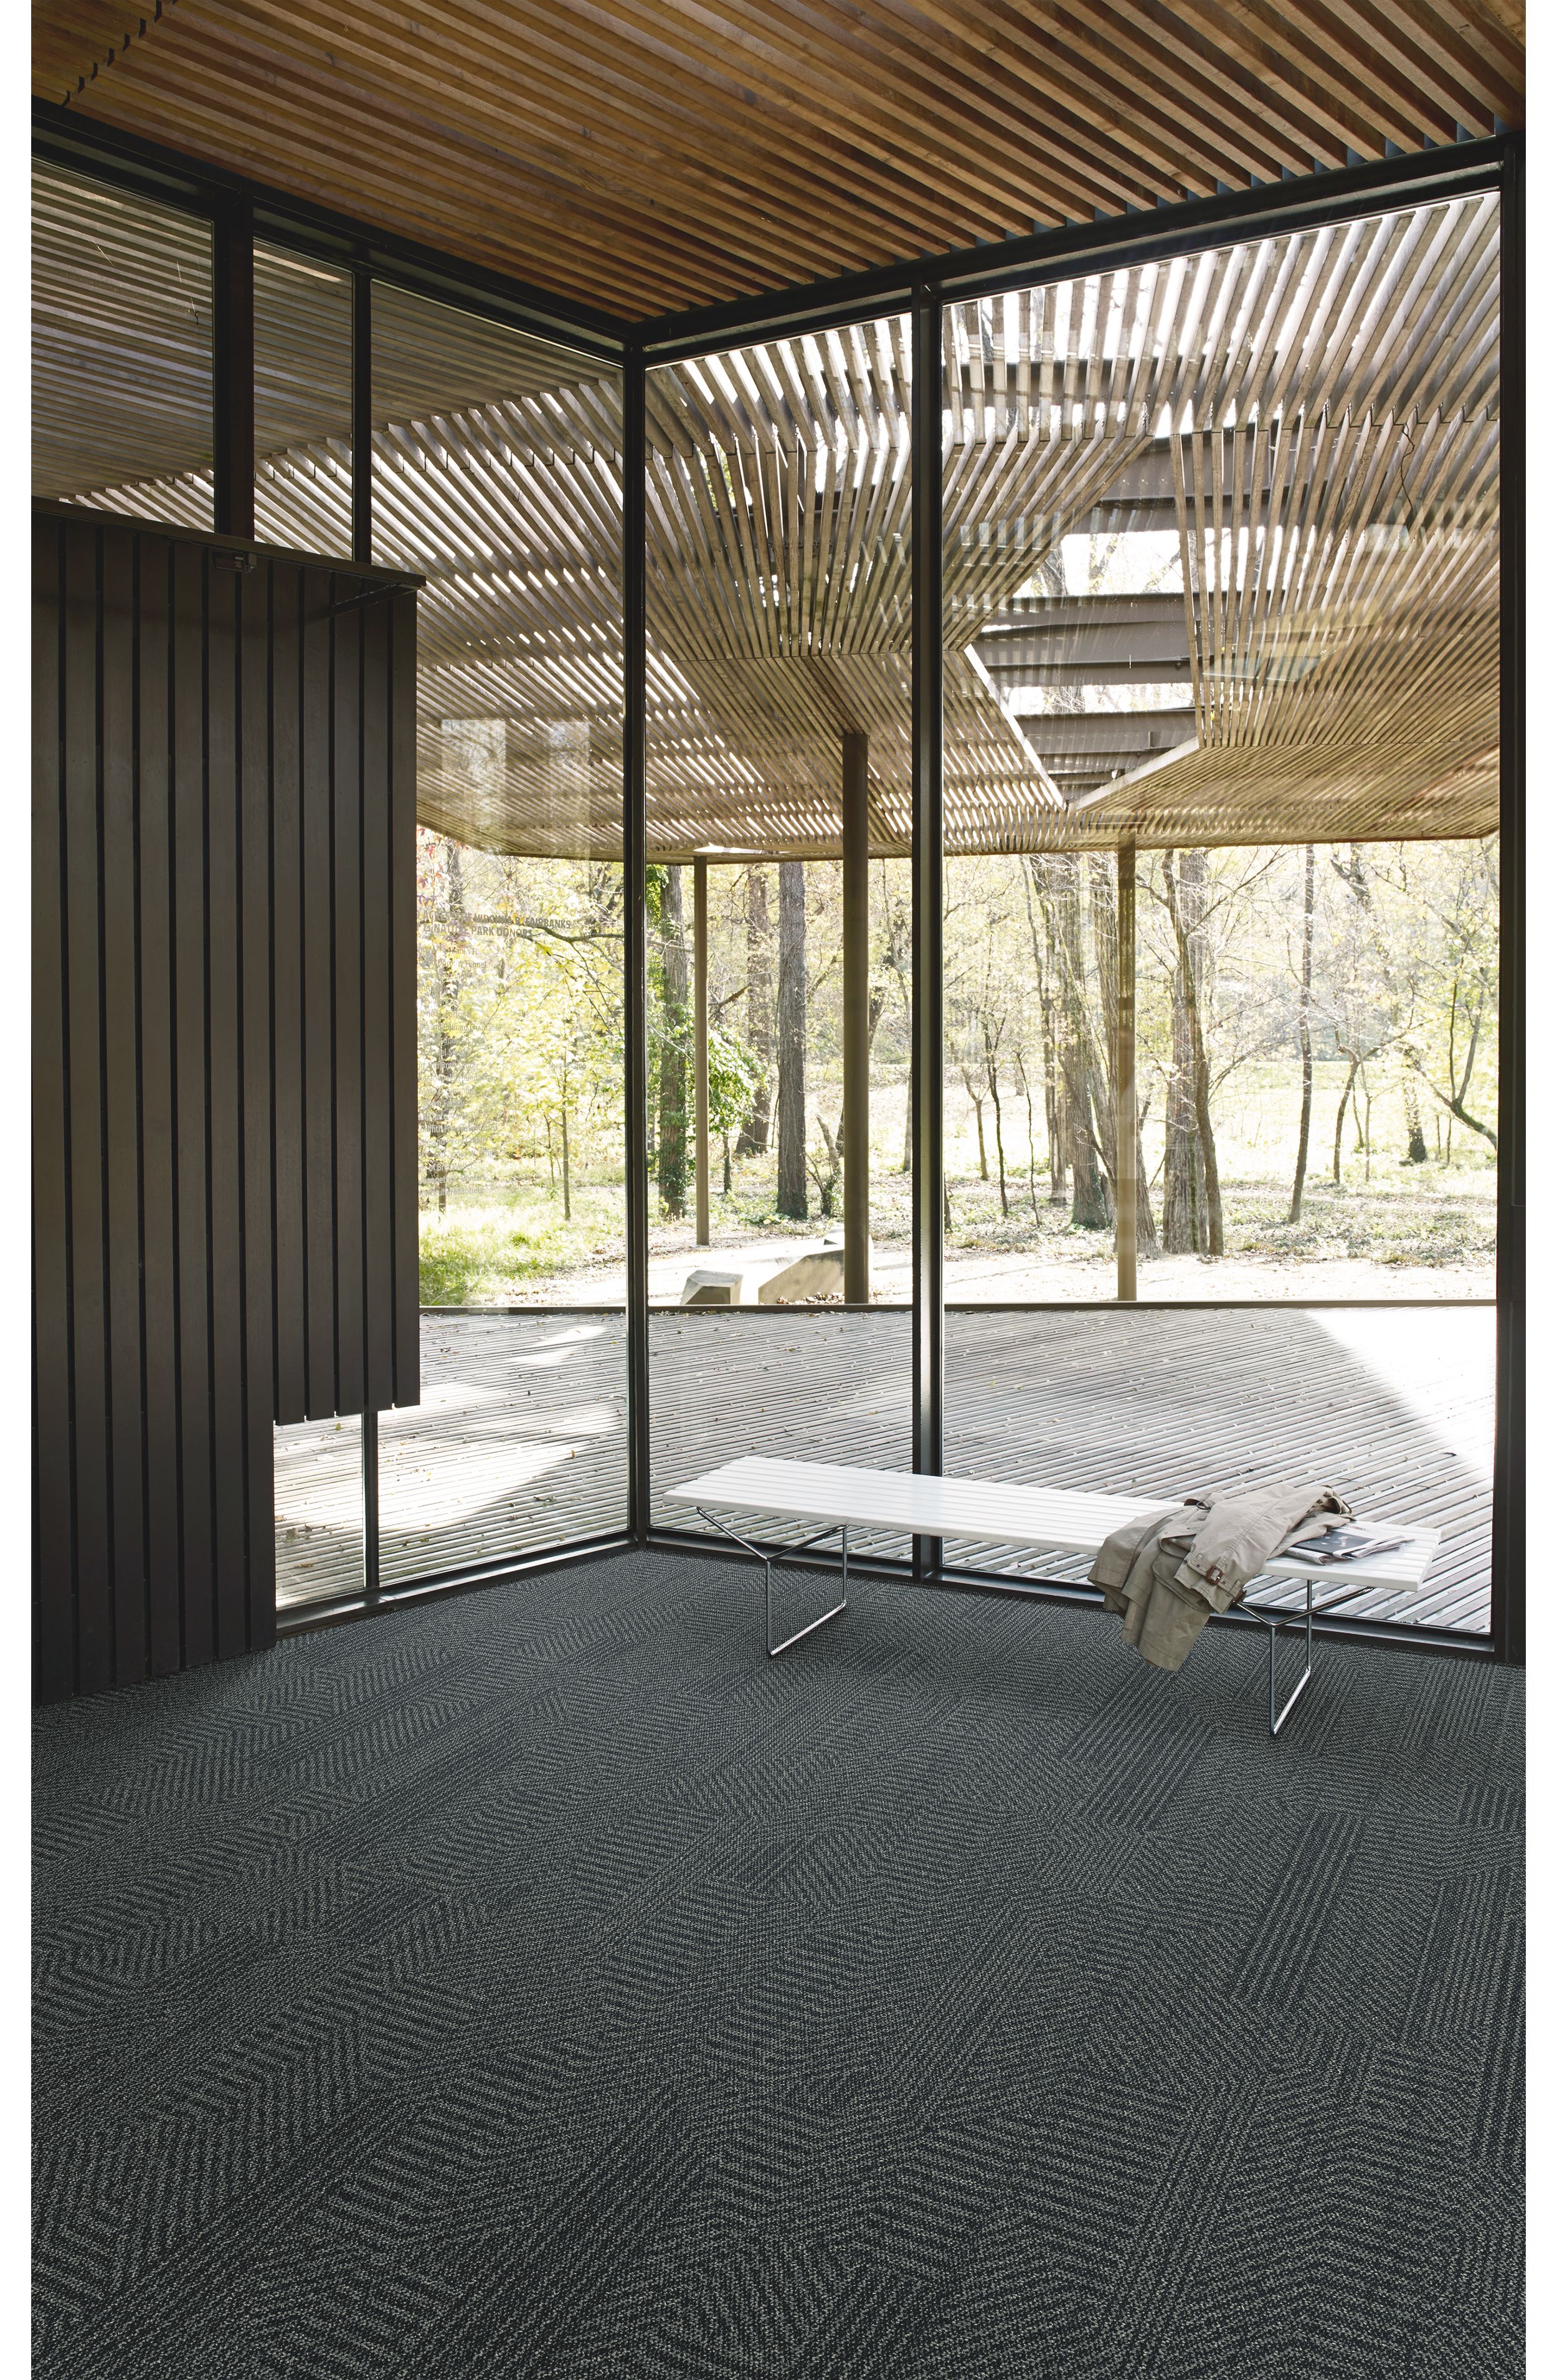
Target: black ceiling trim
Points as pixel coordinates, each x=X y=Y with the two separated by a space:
x=1298 y=204
x=1118 y=240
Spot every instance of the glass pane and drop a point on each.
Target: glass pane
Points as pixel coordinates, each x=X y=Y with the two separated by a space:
x=520 y=1440
x=497 y=473
x=779 y=898
x=1222 y=551
x=302 y=402
x=1222 y=579
x=319 y=1539
x=805 y=1385
x=121 y=351
x=1391 y=1406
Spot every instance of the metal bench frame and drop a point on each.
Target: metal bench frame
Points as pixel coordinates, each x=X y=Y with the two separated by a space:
x=767 y=1555
x=1272 y=1622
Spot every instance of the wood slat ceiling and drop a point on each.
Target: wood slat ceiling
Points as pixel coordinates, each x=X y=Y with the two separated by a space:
x=639 y=156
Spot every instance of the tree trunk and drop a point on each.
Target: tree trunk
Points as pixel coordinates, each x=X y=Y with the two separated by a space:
x=1191 y=1187
x=754 y=1131
x=1416 y=1140
x=445 y=987
x=1305 y=1041
x=1105 y=937
x=1032 y=1151
x=976 y=1102
x=1091 y=1204
x=1035 y=880
x=672 y=1049
x=792 y=1200
x=1341 y=1120
x=566 y=1174
x=992 y=1073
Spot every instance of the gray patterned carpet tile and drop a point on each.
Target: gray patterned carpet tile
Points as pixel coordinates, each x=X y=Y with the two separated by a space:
x=543 y=1984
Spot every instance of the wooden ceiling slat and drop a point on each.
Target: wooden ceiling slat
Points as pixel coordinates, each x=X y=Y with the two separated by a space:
x=848 y=88
x=856 y=76
x=588 y=232
x=395 y=150
x=1425 y=36
x=640 y=156
x=1233 y=84
x=1108 y=88
x=596 y=90
x=1333 y=67
x=728 y=72
x=1285 y=135
x=300 y=38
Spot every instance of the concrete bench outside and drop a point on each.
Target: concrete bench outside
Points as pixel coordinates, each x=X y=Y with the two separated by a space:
x=1059 y=1520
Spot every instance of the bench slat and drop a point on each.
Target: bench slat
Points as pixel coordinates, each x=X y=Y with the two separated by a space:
x=1062 y=1520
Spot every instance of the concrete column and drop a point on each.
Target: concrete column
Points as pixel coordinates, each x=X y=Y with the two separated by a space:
x=856 y=1021
x=699 y=1045
x=1124 y=1118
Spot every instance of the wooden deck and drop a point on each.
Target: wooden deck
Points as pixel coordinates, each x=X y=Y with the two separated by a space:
x=520 y=1440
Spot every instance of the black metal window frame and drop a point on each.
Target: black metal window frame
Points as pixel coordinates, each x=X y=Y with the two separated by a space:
x=241 y=211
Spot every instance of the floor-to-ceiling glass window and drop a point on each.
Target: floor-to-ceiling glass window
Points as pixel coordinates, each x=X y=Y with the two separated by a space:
x=1222 y=878
x=496 y=474
x=779 y=913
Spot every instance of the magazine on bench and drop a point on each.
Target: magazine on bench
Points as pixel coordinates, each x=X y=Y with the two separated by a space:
x=1348 y=1543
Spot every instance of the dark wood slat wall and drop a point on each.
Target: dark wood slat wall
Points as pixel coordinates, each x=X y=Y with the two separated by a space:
x=224 y=1070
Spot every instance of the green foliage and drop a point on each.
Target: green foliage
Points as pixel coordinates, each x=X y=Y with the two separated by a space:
x=734 y=1072
x=520 y=1014
x=522 y=1031
x=495 y=1254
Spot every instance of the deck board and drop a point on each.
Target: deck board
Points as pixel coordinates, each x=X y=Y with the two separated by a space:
x=521 y=1439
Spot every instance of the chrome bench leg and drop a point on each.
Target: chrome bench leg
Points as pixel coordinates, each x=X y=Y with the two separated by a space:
x=1273 y=1628
x=765 y=1555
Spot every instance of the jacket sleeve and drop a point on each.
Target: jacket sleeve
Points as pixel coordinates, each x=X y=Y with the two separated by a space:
x=1119 y=1553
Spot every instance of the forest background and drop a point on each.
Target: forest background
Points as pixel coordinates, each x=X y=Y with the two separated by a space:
x=1317 y=1071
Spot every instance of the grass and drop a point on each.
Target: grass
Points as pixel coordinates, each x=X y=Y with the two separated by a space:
x=480 y=1254
x=1432 y=1215
x=508 y=1237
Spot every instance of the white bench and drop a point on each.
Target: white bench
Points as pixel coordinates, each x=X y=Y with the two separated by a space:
x=1060 y=1520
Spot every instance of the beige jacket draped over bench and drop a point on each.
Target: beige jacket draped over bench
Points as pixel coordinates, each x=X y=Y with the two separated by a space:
x=1168 y=1572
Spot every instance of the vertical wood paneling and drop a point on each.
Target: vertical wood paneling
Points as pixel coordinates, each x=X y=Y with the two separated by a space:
x=256 y=1109
x=159 y=1252
x=224 y=1107
x=346 y=939
x=377 y=1017
x=53 y=1622
x=289 y=1139
x=402 y=810
x=84 y=1075
x=318 y=997
x=224 y=1070
x=193 y=1334
x=121 y=1101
